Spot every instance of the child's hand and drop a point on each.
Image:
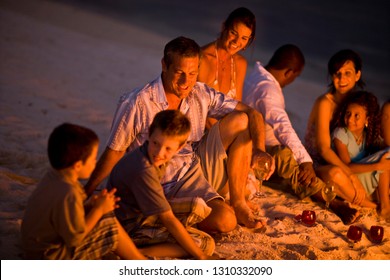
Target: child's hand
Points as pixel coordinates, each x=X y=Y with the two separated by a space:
x=106 y=201
x=90 y=201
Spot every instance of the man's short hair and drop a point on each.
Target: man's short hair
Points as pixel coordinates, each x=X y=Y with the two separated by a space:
x=181 y=46
x=171 y=123
x=287 y=56
x=69 y=143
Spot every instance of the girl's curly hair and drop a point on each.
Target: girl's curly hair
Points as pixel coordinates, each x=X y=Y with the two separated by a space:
x=370 y=103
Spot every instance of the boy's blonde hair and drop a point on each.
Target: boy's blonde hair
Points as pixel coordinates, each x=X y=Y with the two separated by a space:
x=171 y=123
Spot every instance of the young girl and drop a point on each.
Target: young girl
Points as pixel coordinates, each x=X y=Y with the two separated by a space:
x=356 y=138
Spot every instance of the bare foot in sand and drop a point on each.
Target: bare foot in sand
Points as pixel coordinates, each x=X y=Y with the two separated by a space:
x=246 y=217
x=253 y=206
x=385 y=213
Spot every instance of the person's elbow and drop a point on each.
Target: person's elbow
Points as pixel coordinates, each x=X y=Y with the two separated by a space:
x=323 y=150
x=167 y=218
x=253 y=113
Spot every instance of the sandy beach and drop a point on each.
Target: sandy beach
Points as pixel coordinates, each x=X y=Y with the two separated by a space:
x=67 y=61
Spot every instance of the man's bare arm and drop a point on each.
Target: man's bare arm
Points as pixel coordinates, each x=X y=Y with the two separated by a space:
x=256 y=125
x=257 y=132
x=103 y=168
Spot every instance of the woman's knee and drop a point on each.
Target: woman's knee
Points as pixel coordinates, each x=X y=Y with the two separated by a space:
x=336 y=174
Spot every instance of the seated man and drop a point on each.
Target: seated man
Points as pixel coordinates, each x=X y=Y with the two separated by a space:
x=223 y=154
x=263 y=91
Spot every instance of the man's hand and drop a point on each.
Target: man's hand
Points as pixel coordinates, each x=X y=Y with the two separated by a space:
x=307 y=175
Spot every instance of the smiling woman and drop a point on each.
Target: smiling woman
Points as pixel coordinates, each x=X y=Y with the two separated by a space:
x=344 y=68
x=221 y=66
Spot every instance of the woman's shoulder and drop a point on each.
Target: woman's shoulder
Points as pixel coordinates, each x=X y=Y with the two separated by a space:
x=240 y=60
x=207 y=67
x=325 y=100
x=323 y=106
x=326 y=97
x=208 y=51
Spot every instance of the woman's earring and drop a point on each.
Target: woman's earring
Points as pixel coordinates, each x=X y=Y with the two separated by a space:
x=366 y=125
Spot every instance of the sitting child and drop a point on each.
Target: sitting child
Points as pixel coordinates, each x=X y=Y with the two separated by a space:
x=56 y=224
x=160 y=226
x=356 y=141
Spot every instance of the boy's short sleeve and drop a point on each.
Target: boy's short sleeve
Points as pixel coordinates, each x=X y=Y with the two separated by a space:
x=138 y=185
x=69 y=219
x=149 y=193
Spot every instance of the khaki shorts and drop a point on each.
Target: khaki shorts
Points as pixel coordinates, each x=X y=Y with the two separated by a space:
x=193 y=184
x=213 y=158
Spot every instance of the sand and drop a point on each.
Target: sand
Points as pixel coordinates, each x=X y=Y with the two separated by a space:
x=60 y=63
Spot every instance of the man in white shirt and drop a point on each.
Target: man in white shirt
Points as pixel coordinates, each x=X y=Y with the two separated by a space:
x=263 y=91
